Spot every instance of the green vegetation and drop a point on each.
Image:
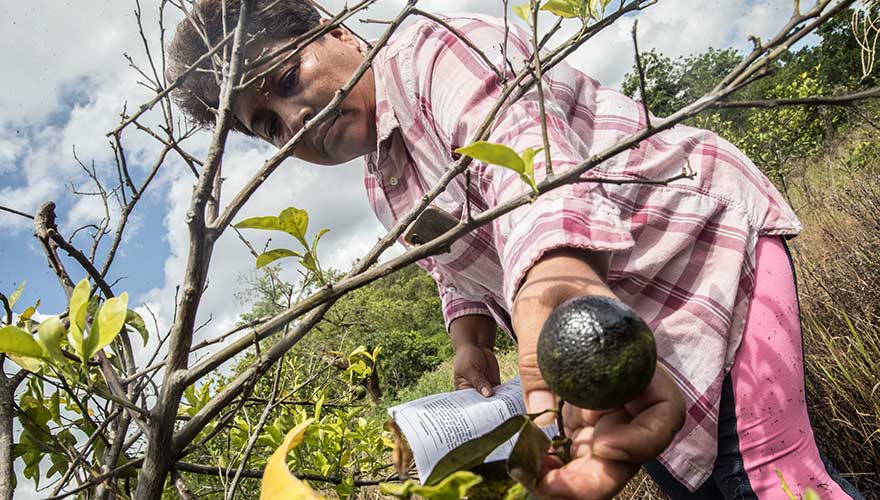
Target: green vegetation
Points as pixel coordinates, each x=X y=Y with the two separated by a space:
x=596 y=353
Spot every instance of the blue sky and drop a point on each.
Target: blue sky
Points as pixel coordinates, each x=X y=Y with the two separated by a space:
x=70 y=83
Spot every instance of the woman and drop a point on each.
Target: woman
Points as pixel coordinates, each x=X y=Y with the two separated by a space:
x=701 y=260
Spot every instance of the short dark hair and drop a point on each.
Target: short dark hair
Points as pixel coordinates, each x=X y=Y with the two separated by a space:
x=199 y=96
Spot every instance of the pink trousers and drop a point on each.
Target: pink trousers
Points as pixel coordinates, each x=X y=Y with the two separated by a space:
x=763 y=421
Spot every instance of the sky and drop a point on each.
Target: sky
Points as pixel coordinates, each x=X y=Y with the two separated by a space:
x=66 y=81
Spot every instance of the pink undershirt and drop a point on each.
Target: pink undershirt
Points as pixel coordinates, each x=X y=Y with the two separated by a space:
x=772 y=423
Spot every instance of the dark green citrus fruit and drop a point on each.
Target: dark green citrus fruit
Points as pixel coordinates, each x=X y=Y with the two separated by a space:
x=596 y=352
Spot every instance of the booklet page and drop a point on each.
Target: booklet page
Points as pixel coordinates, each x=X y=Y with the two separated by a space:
x=436 y=424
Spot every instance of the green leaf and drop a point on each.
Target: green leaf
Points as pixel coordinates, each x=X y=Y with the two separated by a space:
x=135 y=321
x=399 y=490
x=528 y=175
x=320 y=405
x=318 y=238
x=295 y=222
x=14 y=340
x=471 y=453
x=55 y=408
x=13 y=298
x=811 y=494
x=273 y=255
x=32 y=365
x=108 y=322
x=49 y=336
x=518 y=492
x=528 y=158
x=269 y=222
x=79 y=301
x=785 y=487
x=524 y=463
x=454 y=487
x=496 y=154
x=564 y=8
x=524 y=12
x=308 y=261
x=26 y=315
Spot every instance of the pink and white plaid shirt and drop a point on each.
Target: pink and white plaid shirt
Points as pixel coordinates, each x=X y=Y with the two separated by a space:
x=683 y=253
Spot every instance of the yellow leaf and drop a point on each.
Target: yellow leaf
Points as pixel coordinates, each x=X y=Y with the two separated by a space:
x=278 y=483
x=32 y=365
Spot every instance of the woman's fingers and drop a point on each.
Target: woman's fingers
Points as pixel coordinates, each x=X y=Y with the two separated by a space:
x=586 y=478
x=473 y=369
x=657 y=415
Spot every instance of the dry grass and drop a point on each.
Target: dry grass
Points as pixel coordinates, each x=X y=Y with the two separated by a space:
x=838 y=265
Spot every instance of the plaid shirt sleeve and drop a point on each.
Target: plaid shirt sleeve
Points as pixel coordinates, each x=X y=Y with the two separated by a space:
x=575 y=215
x=453 y=304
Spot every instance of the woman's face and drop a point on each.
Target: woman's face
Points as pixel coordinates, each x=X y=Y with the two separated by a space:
x=276 y=108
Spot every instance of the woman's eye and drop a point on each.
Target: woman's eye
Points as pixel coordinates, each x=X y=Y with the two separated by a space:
x=288 y=80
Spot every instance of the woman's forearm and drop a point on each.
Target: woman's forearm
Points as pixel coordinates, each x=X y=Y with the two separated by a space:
x=472 y=329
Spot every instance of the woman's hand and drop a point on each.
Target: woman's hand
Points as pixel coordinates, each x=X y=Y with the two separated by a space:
x=473 y=338
x=475 y=367
x=608 y=447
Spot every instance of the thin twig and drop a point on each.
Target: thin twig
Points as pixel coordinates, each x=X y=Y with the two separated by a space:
x=16 y=212
x=642 y=86
x=536 y=61
x=167 y=90
x=839 y=100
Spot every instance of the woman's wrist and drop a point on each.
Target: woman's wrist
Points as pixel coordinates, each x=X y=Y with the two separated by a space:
x=472 y=330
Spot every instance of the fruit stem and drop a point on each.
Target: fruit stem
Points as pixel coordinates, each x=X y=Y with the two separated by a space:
x=559 y=422
x=564 y=448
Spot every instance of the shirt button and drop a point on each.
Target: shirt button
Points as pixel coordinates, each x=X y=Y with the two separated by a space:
x=452 y=289
x=392 y=180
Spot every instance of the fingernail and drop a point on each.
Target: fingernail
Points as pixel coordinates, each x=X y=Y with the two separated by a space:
x=486 y=391
x=541 y=400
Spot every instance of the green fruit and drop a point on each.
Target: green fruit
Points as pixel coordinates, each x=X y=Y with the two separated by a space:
x=596 y=353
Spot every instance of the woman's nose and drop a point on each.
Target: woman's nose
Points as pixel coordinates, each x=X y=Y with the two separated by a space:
x=301 y=115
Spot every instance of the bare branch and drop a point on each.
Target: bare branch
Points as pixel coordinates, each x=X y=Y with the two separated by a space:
x=167 y=90
x=16 y=212
x=840 y=100
x=536 y=61
x=257 y=474
x=252 y=441
x=642 y=91
x=157 y=459
x=6 y=308
x=44 y=221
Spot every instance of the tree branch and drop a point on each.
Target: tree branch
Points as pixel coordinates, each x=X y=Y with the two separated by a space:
x=839 y=100
x=16 y=212
x=641 y=71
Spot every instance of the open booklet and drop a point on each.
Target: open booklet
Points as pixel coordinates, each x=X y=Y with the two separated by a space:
x=436 y=424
